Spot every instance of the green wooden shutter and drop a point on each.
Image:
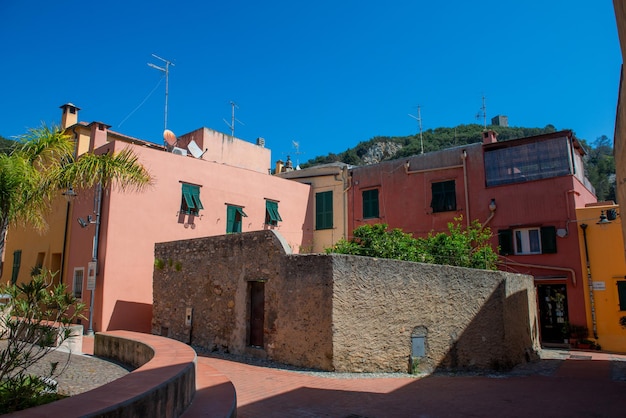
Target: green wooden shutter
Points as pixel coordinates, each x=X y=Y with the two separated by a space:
x=548 y=240
x=17 y=261
x=230 y=219
x=621 y=292
x=505 y=241
x=324 y=210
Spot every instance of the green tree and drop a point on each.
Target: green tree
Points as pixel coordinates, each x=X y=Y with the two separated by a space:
x=461 y=246
x=43 y=163
x=33 y=323
x=600 y=168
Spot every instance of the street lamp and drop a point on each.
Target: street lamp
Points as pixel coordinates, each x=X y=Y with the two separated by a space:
x=92 y=268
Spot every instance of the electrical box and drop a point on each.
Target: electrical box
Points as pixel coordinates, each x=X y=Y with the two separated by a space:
x=188 y=316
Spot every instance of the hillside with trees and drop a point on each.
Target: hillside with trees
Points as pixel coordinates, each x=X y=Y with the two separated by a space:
x=599 y=162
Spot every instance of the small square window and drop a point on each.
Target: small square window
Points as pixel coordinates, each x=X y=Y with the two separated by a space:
x=190 y=202
x=79 y=274
x=443 y=196
x=272 y=217
x=370 y=204
x=527 y=241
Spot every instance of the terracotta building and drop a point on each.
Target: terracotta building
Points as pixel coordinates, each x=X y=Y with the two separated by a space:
x=526 y=190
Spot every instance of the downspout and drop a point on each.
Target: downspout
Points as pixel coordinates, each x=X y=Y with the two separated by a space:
x=346 y=180
x=94 y=256
x=592 y=305
x=467 y=207
x=65 y=234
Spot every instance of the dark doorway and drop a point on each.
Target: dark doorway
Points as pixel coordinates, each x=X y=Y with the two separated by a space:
x=553 y=313
x=257 y=313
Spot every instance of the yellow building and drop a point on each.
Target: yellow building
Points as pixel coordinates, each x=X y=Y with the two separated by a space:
x=28 y=249
x=605 y=283
x=328 y=202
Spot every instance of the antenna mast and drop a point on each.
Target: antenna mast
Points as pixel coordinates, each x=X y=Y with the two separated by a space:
x=166 y=70
x=231 y=125
x=296 y=145
x=418 y=118
x=483 y=109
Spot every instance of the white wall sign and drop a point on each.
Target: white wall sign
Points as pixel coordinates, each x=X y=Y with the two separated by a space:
x=91 y=275
x=599 y=285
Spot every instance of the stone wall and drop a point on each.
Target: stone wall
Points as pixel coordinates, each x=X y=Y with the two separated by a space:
x=337 y=312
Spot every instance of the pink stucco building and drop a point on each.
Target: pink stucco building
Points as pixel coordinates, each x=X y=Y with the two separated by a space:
x=227 y=189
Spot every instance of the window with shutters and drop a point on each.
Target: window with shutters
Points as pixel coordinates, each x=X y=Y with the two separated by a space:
x=190 y=203
x=79 y=275
x=17 y=261
x=443 y=196
x=526 y=241
x=234 y=218
x=272 y=217
x=621 y=293
x=324 y=210
x=370 y=204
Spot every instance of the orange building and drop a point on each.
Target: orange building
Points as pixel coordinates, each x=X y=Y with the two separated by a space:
x=604 y=281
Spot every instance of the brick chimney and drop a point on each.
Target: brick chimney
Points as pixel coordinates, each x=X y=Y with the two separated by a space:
x=489 y=137
x=69 y=116
x=279 y=167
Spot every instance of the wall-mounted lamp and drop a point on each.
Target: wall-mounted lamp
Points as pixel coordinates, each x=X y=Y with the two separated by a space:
x=492 y=205
x=603 y=219
x=85 y=223
x=611 y=214
x=69 y=194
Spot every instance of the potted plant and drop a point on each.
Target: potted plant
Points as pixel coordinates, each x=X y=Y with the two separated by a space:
x=578 y=333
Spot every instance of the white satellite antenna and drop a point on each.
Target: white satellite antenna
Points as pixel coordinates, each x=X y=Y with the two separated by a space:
x=195 y=150
x=170 y=138
x=172 y=141
x=418 y=118
x=166 y=70
x=231 y=125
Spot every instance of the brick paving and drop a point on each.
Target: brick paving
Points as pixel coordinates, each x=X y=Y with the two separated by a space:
x=563 y=383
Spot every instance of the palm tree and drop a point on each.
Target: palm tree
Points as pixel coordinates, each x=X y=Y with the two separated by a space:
x=43 y=163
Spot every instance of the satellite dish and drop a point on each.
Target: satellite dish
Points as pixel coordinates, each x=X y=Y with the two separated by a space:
x=169 y=137
x=194 y=149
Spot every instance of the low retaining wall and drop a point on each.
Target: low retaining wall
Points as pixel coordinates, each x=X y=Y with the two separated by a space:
x=163 y=385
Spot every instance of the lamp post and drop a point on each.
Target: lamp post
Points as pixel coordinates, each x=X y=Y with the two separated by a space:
x=92 y=269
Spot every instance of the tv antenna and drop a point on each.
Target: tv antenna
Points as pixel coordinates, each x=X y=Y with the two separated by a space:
x=233 y=119
x=483 y=113
x=165 y=70
x=296 y=146
x=418 y=118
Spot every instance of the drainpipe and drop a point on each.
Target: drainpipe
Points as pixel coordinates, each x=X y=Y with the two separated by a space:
x=467 y=208
x=589 y=282
x=346 y=180
x=94 y=256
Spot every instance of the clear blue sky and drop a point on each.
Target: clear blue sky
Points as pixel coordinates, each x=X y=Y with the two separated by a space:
x=326 y=74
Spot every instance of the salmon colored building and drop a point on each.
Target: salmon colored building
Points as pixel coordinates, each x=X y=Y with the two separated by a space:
x=602 y=245
x=526 y=190
x=206 y=183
